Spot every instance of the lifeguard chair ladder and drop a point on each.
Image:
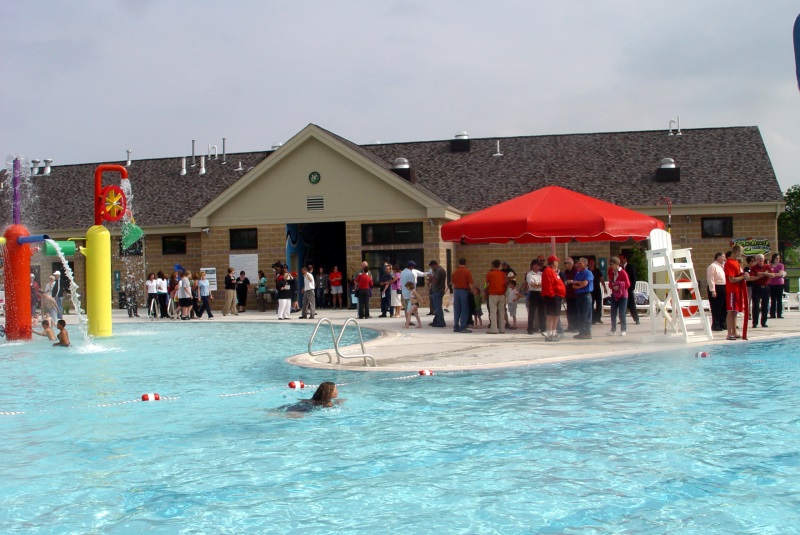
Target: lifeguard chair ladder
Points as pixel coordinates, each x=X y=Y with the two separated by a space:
x=671 y=273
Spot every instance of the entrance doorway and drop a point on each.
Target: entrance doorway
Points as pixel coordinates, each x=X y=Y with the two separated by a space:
x=320 y=244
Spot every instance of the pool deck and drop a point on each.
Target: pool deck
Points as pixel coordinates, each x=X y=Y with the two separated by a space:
x=440 y=349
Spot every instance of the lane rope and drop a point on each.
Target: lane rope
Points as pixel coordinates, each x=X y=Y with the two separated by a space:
x=154 y=397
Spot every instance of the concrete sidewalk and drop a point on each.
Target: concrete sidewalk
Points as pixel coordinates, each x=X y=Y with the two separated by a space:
x=399 y=349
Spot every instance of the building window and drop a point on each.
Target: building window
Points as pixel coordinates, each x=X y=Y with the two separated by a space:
x=717 y=227
x=391 y=233
x=244 y=238
x=173 y=244
x=135 y=249
x=398 y=257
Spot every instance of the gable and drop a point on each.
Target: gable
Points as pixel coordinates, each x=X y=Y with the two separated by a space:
x=279 y=191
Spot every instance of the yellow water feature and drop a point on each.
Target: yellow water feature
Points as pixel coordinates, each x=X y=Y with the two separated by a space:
x=98 y=280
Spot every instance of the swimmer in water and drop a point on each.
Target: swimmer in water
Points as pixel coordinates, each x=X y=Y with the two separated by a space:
x=324 y=397
x=325 y=394
x=46 y=331
x=63 y=335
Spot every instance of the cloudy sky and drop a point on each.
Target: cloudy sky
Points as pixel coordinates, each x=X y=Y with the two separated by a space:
x=86 y=80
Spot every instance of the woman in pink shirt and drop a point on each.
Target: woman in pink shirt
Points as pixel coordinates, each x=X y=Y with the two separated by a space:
x=619 y=283
x=776 y=285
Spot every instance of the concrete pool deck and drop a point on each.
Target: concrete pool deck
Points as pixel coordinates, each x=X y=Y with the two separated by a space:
x=410 y=350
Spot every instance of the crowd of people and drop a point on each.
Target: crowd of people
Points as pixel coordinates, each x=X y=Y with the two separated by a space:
x=545 y=290
x=755 y=287
x=187 y=295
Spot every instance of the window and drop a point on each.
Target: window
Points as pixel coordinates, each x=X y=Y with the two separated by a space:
x=135 y=249
x=391 y=233
x=399 y=257
x=244 y=238
x=717 y=227
x=173 y=244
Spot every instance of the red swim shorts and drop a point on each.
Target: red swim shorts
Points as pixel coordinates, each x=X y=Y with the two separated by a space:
x=734 y=301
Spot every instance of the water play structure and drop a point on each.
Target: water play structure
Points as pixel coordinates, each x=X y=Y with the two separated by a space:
x=110 y=204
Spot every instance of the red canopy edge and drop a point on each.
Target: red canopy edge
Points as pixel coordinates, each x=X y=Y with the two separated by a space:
x=551 y=213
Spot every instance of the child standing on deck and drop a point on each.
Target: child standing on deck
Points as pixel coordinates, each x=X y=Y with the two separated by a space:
x=412 y=309
x=512 y=296
x=476 y=298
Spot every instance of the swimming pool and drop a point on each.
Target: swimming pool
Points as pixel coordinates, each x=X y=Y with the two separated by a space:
x=661 y=443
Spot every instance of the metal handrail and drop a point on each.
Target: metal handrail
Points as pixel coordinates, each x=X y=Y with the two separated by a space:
x=314 y=335
x=337 y=342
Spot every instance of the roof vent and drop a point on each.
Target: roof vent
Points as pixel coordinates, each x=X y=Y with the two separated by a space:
x=667 y=171
x=461 y=143
x=677 y=123
x=402 y=168
x=35 y=167
x=498 y=153
x=128 y=163
x=223 y=151
x=202 y=165
x=399 y=163
x=47 y=166
x=183 y=166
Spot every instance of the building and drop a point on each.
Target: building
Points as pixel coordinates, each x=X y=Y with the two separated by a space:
x=322 y=199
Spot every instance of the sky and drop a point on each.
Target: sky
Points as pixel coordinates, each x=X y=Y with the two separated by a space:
x=86 y=80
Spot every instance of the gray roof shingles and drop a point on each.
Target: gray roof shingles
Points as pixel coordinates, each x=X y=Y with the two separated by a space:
x=718 y=166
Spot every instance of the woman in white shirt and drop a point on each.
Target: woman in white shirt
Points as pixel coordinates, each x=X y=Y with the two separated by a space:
x=536 y=313
x=162 y=292
x=152 y=294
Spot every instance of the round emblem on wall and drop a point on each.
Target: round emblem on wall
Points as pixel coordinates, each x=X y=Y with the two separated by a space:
x=314 y=177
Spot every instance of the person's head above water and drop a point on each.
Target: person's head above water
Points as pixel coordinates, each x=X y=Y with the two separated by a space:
x=324 y=394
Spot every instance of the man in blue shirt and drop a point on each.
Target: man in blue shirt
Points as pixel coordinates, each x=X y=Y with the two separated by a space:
x=583 y=283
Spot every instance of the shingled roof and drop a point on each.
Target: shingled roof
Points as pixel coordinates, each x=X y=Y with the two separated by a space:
x=718 y=166
x=161 y=195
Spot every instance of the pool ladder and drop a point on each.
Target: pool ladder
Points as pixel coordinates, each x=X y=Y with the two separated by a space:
x=337 y=342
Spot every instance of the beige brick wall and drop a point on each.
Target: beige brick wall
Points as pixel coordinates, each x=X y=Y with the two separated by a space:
x=212 y=249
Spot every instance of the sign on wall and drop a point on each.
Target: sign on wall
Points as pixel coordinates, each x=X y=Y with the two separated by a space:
x=752 y=246
x=211 y=277
x=245 y=262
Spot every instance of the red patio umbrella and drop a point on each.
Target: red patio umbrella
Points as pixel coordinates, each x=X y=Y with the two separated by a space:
x=551 y=214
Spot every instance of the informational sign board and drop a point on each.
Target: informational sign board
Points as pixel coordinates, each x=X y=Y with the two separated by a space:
x=211 y=277
x=245 y=262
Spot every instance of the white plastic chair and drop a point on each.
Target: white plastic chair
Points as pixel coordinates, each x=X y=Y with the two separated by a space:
x=642 y=287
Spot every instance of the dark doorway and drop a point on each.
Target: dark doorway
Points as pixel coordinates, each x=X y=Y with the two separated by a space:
x=325 y=245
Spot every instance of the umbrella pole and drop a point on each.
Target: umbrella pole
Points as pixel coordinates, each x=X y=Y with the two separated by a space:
x=553 y=245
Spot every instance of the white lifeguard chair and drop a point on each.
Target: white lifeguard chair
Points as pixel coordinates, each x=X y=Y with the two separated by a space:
x=671 y=273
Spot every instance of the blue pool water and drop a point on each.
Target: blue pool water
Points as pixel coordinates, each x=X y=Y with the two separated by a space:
x=662 y=443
